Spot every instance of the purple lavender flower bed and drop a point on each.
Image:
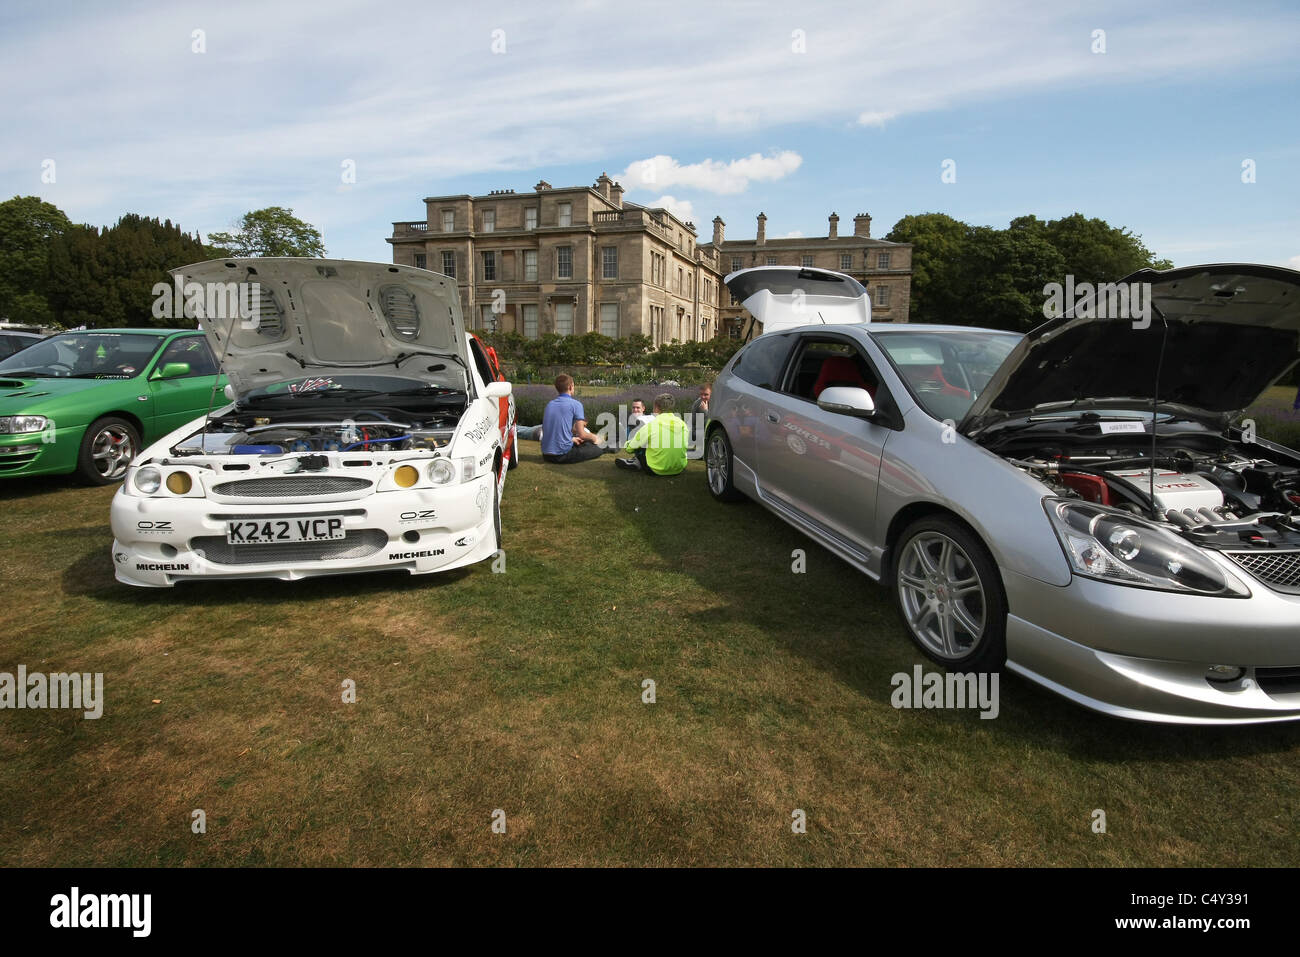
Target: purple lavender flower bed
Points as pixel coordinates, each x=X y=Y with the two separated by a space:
x=1276 y=417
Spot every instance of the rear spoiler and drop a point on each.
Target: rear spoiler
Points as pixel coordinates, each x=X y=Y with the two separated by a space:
x=781 y=297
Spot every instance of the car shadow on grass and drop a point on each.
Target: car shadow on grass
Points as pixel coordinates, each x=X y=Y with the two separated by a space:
x=848 y=626
x=24 y=487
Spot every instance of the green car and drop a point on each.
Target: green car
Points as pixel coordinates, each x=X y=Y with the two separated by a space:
x=87 y=402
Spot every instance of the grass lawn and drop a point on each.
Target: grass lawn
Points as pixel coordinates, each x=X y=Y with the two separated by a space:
x=523 y=691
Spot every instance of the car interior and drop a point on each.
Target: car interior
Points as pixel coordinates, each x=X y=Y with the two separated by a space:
x=824 y=364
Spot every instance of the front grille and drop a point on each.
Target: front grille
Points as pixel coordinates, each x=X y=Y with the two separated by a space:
x=290 y=487
x=1279 y=569
x=9 y=461
x=278 y=516
x=1278 y=680
x=357 y=544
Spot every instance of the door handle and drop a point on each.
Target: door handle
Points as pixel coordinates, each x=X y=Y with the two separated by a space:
x=773 y=417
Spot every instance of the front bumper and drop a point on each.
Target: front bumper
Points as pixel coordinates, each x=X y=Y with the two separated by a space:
x=40 y=453
x=161 y=541
x=1142 y=654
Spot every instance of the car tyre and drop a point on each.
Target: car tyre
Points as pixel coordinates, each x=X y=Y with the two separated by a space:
x=107 y=449
x=720 y=466
x=950 y=595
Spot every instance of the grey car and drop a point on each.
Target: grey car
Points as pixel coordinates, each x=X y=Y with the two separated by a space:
x=1081 y=504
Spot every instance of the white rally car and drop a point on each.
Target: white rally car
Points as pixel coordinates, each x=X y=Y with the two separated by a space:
x=363 y=429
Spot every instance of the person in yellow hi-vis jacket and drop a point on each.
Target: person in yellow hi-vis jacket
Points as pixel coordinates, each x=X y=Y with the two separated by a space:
x=659 y=446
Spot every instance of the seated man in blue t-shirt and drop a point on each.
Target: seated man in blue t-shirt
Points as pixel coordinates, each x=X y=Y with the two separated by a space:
x=565 y=437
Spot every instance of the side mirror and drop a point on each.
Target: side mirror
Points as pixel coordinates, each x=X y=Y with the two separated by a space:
x=847 y=400
x=173 y=370
x=497 y=390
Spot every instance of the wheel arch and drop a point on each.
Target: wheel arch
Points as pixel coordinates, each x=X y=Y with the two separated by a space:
x=914 y=511
x=130 y=417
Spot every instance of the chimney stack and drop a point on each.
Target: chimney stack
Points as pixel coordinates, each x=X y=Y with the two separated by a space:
x=862 y=225
x=603 y=184
x=835 y=226
x=719 y=230
x=616 y=195
x=762 y=229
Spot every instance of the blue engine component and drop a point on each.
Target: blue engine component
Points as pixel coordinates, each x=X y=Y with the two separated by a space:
x=258 y=449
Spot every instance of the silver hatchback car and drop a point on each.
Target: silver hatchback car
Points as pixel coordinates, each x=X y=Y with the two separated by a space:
x=1081 y=504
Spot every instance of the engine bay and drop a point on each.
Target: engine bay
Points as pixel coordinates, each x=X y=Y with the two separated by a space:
x=1228 y=499
x=367 y=430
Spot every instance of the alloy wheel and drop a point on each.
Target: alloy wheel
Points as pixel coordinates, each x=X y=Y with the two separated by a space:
x=112 y=450
x=942 y=595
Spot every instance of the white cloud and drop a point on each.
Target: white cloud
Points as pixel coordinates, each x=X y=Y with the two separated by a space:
x=1294 y=262
x=713 y=176
x=793 y=234
x=681 y=208
x=876 y=118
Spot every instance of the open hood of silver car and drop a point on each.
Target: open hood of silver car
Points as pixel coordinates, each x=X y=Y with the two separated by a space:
x=275 y=320
x=1214 y=339
x=781 y=297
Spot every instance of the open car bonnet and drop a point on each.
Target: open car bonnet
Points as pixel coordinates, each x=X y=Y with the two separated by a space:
x=781 y=297
x=1215 y=337
x=275 y=320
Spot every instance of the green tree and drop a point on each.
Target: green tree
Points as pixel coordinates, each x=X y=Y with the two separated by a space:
x=105 y=278
x=995 y=277
x=28 y=228
x=273 y=231
x=938 y=244
x=1001 y=277
x=1094 y=251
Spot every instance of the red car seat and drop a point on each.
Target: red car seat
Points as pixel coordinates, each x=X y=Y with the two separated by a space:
x=841 y=370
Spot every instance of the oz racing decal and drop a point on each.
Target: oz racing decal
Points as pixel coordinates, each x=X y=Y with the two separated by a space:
x=154 y=528
x=423 y=515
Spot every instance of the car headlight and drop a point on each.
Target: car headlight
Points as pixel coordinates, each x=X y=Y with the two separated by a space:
x=179 y=483
x=442 y=472
x=18 y=424
x=405 y=476
x=147 y=480
x=1114 y=546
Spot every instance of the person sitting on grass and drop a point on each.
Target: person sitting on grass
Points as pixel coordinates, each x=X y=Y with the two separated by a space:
x=565 y=438
x=659 y=446
x=637 y=417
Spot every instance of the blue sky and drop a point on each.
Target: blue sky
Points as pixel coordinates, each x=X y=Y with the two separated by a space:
x=792 y=109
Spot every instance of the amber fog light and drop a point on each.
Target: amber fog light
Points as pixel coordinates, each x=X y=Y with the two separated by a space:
x=179 y=483
x=406 y=476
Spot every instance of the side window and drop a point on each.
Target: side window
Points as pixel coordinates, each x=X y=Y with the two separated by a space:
x=481 y=362
x=191 y=349
x=822 y=362
x=762 y=360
